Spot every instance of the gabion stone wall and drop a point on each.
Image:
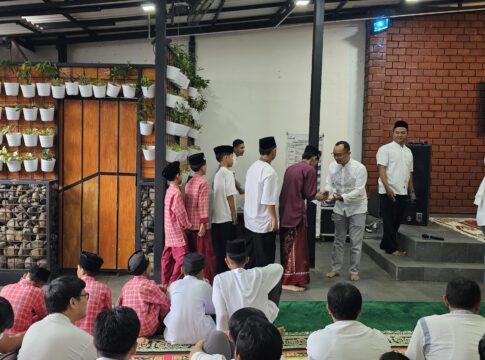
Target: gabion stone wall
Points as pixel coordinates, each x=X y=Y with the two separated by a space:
x=147 y=226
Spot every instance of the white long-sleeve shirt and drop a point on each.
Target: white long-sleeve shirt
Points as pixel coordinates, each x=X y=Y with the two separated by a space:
x=239 y=288
x=452 y=336
x=349 y=181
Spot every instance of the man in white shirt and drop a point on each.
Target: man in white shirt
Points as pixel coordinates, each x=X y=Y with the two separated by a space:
x=191 y=305
x=346 y=338
x=239 y=148
x=346 y=181
x=56 y=336
x=395 y=163
x=115 y=333
x=454 y=335
x=258 y=287
x=260 y=204
x=224 y=215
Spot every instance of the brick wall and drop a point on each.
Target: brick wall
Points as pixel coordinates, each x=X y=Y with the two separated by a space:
x=430 y=71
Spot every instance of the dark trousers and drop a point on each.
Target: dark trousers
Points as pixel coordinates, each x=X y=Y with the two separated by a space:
x=221 y=233
x=263 y=248
x=392 y=213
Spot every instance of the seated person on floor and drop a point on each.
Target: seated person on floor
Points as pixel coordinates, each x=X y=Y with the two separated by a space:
x=258 y=339
x=115 y=333
x=145 y=297
x=55 y=336
x=454 y=335
x=346 y=338
x=99 y=293
x=27 y=299
x=259 y=287
x=191 y=305
x=8 y=343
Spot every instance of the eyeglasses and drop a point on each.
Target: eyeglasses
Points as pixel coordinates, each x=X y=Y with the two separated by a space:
x=87 y=296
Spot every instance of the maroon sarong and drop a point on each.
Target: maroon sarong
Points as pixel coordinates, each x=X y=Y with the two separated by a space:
x=294 y=255
x=203 y=245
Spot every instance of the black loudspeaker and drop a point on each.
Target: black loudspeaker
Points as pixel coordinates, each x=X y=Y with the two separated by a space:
x=417 y=212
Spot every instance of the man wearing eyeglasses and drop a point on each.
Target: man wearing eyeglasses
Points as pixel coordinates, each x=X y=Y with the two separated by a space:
x=56 y=336
x=346 y=181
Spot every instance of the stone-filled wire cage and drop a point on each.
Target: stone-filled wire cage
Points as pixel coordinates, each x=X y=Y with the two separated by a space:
x=28 y=223
x=146 y=224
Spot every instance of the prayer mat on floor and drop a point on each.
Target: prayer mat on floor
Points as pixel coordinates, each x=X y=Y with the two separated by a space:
x=465 y=226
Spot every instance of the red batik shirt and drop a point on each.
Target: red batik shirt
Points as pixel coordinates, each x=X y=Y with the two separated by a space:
x=99 y=300
x=197 y=201
x=149 y=302
x=176 y=219
x=28 y=305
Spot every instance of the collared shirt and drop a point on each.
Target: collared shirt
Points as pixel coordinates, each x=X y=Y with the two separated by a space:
x=204 y=356
x=55 y=337
x=347 y=340
x=450 y=336
x=224 y=186
x=197 y=201
x=299 y=184
x=261 y=189
x=349 y=181
x=176 y=219
x=398 y=161
x=239 y=288
x=99 y=300
x=189 y=320
x=148 y=300
x=28 y=305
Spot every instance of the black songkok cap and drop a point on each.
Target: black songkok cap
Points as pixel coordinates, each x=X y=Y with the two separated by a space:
x=236 y=248
x=401 y=123
x=90 y=262
x=193 y=262
x=197 y=159
x=39 y=274
x=171 y=170
x=313 y=150
x=267 y=143
x=137 y=263
x=223 y=149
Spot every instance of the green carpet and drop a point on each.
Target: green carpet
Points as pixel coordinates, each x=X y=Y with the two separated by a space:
x=382 y=315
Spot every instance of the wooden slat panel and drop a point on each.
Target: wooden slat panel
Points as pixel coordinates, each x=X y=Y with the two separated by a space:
x=90 y=137
x=126 y=219
x=109 y=136
x=90 y=215
x=128 y=132
x=107 y=216
x=71 y=232
x=72 y=141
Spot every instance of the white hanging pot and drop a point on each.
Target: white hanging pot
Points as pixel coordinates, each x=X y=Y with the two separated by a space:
x=31 y=165
x=148 y=91
x=172 y=72
x=193 y=133
x=182 y=155
x=12 y=113
x=47 y=165
x=86 y=90
x=129 y=90
x=30 y=140
x=72 y=88
x=30 y=114
x=171 y=155
x=14 y=165
x=149 y=153
x=193 y=92
x=14 y=139
x=172 y=100
x=59 y=92
x=193 y=152
x=43 y=89
x=46 y=141
x=113 y=90
x=177 y=129
x=47 y=114
x=146 y=127
x=11 y=88
x=195 y=114
x=28 y=90
x=99 y=91
x=182 y=81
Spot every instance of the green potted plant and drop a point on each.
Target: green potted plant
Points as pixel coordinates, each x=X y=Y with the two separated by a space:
x=194 y=130
x=99 y=88
x=172 y=152
x=31 y=136
x=24 y=73
x=72 y=86
x=13 y=160
x=47 y=161
x=13 y=112
x=196 y=106
x=30 y=112
x=147 y=87
x=146 y=123
x=30 y=162
x=185 y=63
x=46 y=137
x=3 y=131
x=115 y=74
x=197 y=83
x=14 y=138
x=129 y=87
x=179 y=119
x=49 y=71
x=58 y=88
x=11 y=88
x=173 y=100
x=85 y=86
x=148 y=152
x=46 y=112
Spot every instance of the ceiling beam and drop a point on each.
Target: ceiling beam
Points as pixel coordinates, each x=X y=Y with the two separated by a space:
x=218 y=12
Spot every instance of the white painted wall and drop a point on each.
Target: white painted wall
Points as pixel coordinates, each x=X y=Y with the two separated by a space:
x=44 y=53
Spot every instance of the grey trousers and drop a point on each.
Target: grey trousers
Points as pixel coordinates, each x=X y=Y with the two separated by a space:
x=355 y=225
